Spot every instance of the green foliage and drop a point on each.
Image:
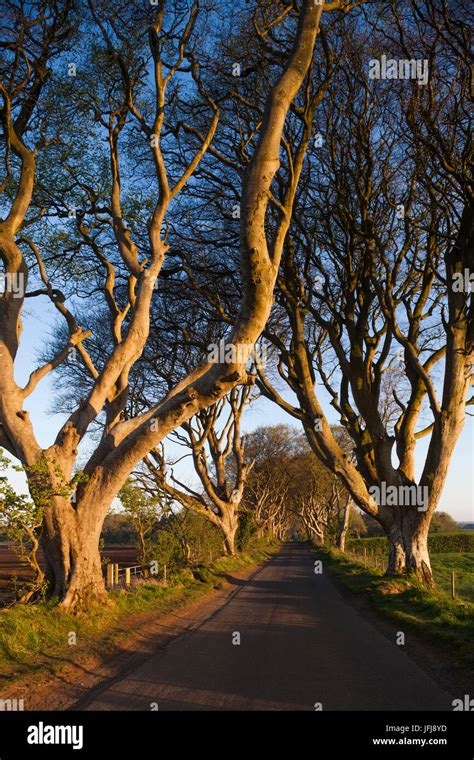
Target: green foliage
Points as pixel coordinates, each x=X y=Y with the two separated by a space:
x=167 y=550
x=247 y=531
x=185 y=538
x=118 y=529
x=441 y=543
x=443 y=523
x=143 y=512
x=20 y=521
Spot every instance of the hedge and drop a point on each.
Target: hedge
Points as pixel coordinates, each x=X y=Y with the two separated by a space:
x=438 y=543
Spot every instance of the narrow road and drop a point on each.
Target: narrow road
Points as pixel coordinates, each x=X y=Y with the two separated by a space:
x=301 y=643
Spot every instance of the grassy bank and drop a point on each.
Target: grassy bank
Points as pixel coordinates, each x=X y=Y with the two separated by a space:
x=38 y=636
x=433 y=614
x=463 y=567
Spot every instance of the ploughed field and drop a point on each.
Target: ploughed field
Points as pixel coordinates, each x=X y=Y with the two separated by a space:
x=14 y=573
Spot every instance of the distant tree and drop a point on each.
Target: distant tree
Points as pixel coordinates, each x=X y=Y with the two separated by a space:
x=217 y=447
x=143 y=511
x=443 y=523
x=117 y=529
x=185 y=538
x=357 y=526
x=288 y=488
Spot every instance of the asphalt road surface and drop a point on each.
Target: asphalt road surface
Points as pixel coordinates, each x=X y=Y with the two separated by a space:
x=301 y=643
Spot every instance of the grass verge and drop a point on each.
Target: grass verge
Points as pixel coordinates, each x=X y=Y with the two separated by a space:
x=37 y=637
x=447 y=622
x=462 y=564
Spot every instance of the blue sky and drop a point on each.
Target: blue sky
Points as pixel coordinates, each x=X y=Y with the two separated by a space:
x=457 y=499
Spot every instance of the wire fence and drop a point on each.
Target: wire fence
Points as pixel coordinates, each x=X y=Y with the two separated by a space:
x=371 y=558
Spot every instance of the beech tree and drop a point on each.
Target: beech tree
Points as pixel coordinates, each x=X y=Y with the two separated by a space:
x=80 y=139
x=287 y=488
x=373 y=319
x=217 y=447
x=374 y=284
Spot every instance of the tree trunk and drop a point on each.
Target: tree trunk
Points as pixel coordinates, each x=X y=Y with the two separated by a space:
x=229 y=524
x=143 y=555
x=341 y=539
x=417 y=555
x=408 y=546
x=38 y=574
x=71 y=549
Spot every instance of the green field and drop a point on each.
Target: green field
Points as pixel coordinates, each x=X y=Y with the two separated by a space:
x=463 y=567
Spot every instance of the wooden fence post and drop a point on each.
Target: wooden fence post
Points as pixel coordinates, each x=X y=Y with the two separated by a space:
x=116 y=574
x=127 y=576
x=110 y=575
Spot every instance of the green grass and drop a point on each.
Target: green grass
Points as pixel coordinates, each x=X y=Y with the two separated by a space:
x=35 y=637
x=433 y=614
x=463 y=567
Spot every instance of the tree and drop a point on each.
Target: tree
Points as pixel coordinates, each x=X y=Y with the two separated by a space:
x=288 y=489
x=117 y=529
x=380 y=241
x=218 y=453
x=54 y=131
x=143 y=512
x=443 y=523
x=185 y=538
x=21 y=520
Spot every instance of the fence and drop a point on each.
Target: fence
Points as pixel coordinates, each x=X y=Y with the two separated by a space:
x=370 y=557
x=123 y=576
